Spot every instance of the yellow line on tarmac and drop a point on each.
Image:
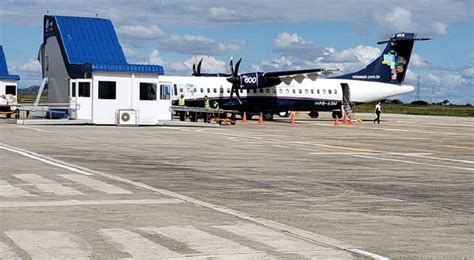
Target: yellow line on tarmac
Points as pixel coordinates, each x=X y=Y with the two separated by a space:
x=459 y=147
x=344 y=148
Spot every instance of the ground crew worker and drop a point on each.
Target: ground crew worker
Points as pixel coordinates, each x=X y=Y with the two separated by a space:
x=206 y=106
x=378 y=111
x=182 y=103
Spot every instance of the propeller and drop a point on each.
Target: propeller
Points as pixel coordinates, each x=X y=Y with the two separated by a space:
x=234 y=79
x=197 y=70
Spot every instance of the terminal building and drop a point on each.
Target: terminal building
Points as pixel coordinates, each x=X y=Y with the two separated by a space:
x=88 y=77
x=8 y=83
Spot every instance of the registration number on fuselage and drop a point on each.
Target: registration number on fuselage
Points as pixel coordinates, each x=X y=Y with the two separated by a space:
x=325 y=103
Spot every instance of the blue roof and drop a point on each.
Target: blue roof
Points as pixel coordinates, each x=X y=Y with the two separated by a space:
x=91 y=44
x=4 y=69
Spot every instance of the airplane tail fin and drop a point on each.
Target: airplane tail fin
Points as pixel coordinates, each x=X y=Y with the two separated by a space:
x=391 y=66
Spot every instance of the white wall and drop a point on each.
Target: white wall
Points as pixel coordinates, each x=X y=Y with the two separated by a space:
x=127 y=97
x=4 y=83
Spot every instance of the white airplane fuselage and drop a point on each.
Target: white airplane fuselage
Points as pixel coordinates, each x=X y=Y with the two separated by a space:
x=321 y=94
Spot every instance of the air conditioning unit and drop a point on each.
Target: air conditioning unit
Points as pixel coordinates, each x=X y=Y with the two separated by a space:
x=127 y=117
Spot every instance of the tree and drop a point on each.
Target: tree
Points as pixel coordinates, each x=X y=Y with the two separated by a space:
x=445 y=102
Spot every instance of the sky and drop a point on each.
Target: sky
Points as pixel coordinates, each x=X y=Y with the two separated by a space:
x=269 y=35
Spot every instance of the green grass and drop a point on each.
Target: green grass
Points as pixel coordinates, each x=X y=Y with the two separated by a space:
x=431 y=110
x=29 y=98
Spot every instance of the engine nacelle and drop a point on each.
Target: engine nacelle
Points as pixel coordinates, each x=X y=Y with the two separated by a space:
x=252 y=80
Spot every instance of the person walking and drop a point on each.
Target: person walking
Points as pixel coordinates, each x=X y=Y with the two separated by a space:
x=182 y=104
x=378 y=111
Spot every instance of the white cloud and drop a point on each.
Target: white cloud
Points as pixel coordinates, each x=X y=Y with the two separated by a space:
x=222 y=14
x=210 y=64
x=470 y=56
x=32 y=66
x=293 y=44
x=440 y=28
x=152 y=32
x=468 y=73
x=197 y=45
x=417 y=61
x=29 y=72
x=360 y=54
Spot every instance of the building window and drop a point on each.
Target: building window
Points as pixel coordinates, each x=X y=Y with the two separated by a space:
x=10 y=90
x=84 y=89
x=165 y=93
x=147 y=91
x=107 y=89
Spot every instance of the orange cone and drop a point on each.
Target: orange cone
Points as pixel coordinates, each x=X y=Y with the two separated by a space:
x=244 y=118
x=260 y=119
x=292 y=120
x=336 y=123
x=344 y=119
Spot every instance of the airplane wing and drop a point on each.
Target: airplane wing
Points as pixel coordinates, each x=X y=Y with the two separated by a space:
x=292 y=73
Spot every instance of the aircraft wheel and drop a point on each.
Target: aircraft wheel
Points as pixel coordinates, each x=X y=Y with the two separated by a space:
x=314 y=114
x=336 y=113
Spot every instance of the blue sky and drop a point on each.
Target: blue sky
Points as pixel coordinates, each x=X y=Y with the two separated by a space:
x=268 y=35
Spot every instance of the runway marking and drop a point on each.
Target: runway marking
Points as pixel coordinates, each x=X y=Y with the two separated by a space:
x=136 y=245
x=201 y=241
x=34 y=129
x=279 y=146
x=334 y=153
x=459 y=147
x=7 y=253
x=344 y=148
x=47 y=185
x=43 y=159
x=8 y=190
x=394 y=130
x=421 y=155
x=95 y=184
x=301 y=233
x=284 y=243
x=50 y=244
x=21 y=204
x=412 y=162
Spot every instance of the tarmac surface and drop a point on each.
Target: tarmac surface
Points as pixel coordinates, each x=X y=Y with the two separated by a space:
x=401 y=190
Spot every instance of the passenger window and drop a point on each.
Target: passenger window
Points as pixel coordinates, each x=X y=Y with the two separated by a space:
x=273 y=91
x=287 y=91
x=208 y=90
x=306 y=91
x=312 y=91
x=195 y=90
x=261 y=90
x=215 y=90
x=280 y=91
x=300 y=91
x=319 y=92
x=335 y=91
x=228 y=90
x=221 y=90
x=180 y=90
x=324 y=91
x=202 y=90
x=254 y=91
x=268 y=90
x=294 y=91
x=329 y=92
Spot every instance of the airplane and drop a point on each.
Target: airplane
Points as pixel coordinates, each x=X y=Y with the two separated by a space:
x=281 y=92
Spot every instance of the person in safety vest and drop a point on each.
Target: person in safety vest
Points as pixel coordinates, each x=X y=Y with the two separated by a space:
x=206 y=106
x=182 y=103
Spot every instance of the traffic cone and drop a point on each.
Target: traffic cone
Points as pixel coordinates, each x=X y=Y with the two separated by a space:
x=244 y=118
x=260 y=119
x=292 y=120
x=336 y=123
x=344 y=119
